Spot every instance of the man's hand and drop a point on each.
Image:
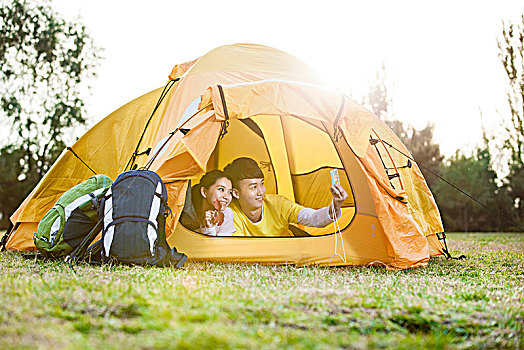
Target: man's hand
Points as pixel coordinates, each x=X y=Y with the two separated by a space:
x=339 y=196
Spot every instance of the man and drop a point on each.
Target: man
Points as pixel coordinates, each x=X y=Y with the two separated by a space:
x=259 y=214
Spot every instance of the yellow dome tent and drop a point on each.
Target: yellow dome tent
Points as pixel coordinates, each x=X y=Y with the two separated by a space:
x=254 y=101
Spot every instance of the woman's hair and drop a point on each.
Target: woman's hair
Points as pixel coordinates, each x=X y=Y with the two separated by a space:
x=208 y=180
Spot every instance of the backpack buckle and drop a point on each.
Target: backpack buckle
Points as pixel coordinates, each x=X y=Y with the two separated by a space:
x=95 y=203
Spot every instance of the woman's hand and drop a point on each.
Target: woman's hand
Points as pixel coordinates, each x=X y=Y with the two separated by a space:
x=210 y=218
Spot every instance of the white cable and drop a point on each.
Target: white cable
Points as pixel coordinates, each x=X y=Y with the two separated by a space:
x=334 y=218
x=379 y=262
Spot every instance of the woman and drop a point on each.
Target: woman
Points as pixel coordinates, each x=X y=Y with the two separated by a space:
x=211 y=198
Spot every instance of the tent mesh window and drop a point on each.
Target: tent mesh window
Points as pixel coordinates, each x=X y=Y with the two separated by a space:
x=295 y=157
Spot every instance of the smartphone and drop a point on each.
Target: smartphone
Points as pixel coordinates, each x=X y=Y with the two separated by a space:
x=334 y=176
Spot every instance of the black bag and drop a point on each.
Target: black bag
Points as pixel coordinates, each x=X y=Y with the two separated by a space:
x=135 y=211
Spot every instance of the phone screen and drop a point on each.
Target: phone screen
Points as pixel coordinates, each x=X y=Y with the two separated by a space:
x=334 y=176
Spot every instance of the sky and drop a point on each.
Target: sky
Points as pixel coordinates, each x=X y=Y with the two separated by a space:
x=440 y=57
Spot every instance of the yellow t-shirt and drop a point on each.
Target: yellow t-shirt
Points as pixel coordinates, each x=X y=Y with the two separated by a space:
x=277 y=213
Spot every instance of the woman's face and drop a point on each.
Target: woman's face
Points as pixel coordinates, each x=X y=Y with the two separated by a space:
x=219 y=195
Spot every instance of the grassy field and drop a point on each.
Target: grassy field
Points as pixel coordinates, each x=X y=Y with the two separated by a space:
x=473 y=303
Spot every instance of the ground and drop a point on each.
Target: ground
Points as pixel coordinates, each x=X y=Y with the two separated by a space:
x=472 y=303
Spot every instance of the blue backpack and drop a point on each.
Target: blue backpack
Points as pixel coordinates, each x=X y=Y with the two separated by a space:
x=134 y=221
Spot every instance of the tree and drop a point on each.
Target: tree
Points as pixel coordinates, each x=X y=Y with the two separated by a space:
x=511 y=51
x=377 y=97
x=474 y=176
x=422 y=147
x=511 y=47
x=45 y=63
x=419 y=142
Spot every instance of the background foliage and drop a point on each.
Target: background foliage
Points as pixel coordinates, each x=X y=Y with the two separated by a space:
x=45 y=62
x=474 y=173
x=511 y=46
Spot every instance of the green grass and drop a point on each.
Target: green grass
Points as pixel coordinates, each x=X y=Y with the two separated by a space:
x=473 y=303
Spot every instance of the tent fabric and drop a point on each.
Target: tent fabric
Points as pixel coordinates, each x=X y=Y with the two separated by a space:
x=230 y=64
x=274 y=97
x=105 y=148
x=421 y=205
x=406 y=240
x=255 y=101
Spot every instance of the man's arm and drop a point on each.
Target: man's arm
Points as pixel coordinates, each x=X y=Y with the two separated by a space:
x=324 y=216
x=315 y=218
